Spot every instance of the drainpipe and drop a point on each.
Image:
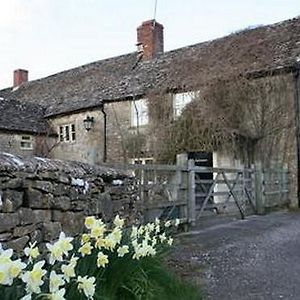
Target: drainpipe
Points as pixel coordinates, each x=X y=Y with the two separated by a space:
x=104 y=135
x=297 y=121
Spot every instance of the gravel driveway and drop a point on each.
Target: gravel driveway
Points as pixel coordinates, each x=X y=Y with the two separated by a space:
x=257 y=258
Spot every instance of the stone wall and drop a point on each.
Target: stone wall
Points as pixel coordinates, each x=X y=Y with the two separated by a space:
x=40 y=197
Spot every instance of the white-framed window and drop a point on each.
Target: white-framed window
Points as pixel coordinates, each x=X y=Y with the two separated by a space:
x=67 y=133
x=26 y=142
x=181 y=100
x=139 y=113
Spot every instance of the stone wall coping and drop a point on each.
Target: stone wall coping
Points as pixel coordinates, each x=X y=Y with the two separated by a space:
x=10 y=162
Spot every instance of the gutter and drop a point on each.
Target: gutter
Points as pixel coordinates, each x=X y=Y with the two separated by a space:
x=104 y=134
x=296 y=75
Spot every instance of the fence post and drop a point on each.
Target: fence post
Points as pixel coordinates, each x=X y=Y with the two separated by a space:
x=191 y=193
x=259 y=189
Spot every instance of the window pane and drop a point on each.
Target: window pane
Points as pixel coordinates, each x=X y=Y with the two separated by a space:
x=67 y=132
x=180 y=101
x=139 y=113
x=61 y=134
x=26 y=145
x=73 y=133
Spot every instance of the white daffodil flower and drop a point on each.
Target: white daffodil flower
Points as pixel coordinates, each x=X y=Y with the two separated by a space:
x=118 y=221
x=65 y=243
x=33 y=278
x=56 y=252
x=16 y=267
x=69 y=269
x=32 y=251
x=168 y=224
x=58 y=295
x=56 y=281
x=87 y=285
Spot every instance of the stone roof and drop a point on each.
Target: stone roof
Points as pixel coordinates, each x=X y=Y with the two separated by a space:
x=264 y=48
x=21 y=117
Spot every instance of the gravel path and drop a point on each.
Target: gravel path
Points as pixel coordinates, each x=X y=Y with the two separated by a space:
x=257 y=258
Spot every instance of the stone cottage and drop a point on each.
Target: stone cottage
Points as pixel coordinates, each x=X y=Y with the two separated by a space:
x=93 y=113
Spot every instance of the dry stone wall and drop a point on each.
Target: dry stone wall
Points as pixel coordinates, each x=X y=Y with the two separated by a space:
x=40 y=197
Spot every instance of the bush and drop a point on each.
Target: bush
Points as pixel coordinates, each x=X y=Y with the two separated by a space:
x=109 y=262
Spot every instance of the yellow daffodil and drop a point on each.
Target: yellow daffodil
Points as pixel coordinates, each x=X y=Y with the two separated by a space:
x=102 y=260
x=85 y=238
x=86 y=249
x=69 y=269
x=123 y=250
x=110 y=242
x=90 y=222
x=97 y=231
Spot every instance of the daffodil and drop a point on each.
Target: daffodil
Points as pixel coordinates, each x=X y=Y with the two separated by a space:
x=86 y=249
x=90 y=222
x=32 y=251
x=56 y=281
x=168 y=224
x=117 y=235
x=5 y=256
x=123 y=250
x=98 y=230
x=134 y=232
x=56 y=252
x=65 y=243
x=33 y=278
x=102 y=260
x=5 y=278
x=69 y=269
x=87 y=285
x=16 y=267
x=118 y=222
x=162 y=237
x=170 y=241
x=58 y=295
x=85 y=238
x=110 y=242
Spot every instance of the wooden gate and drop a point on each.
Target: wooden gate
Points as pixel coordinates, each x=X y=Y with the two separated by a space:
x=185 y=192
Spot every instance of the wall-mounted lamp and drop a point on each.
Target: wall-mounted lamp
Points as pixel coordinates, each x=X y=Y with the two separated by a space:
x=88 y=123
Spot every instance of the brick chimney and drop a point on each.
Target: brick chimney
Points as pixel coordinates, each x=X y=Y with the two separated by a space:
x=150 y=36
x=20 y=76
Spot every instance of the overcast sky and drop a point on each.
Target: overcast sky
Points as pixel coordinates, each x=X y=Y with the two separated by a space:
x=48 y=36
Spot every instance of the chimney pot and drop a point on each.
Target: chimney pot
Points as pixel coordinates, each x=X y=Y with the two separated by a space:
x=20 y=76
x=150 y=35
